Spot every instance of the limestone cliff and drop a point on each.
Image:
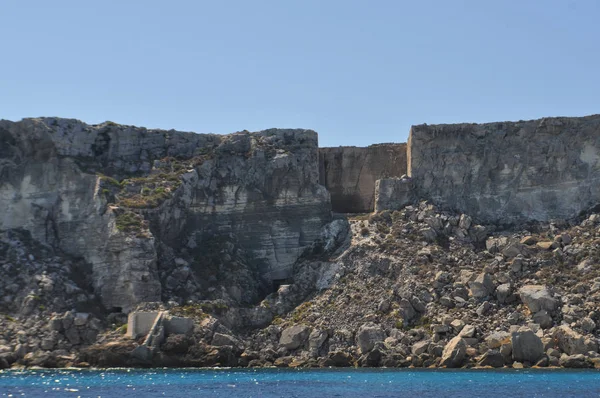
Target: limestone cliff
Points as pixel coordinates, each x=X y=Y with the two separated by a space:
x=205 y=227
x=509 y=172
x=164 y=214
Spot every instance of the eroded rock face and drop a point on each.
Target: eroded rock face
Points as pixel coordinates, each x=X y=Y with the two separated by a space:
x=350 y=173
x=511 y=171
x=126 y=199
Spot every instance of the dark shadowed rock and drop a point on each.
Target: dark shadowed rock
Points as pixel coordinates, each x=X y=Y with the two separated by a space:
x=350 y=173
x=492 y=358
x=577 y=361
x=526 y=346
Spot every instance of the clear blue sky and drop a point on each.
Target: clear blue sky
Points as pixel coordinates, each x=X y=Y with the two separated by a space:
x=358 y=72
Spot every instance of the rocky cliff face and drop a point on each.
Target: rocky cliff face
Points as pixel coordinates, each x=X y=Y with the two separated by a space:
x=105 y=216
x=164 y=214
x=509 y=172
x=350 y=173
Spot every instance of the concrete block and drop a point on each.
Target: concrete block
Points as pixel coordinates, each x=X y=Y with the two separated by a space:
x=139 y=323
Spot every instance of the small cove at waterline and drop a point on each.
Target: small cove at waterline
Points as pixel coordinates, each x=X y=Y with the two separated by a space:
x=361 y=383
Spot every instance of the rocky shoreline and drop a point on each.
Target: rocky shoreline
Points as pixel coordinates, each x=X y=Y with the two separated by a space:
x=414 y=288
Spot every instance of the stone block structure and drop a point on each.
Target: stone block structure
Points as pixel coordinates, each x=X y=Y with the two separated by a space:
x=350 y=173
x=141 y=323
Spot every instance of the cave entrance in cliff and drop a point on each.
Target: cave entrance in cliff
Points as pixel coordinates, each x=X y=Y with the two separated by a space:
x=277 y=283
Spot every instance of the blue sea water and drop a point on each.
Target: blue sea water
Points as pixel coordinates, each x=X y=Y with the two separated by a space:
x=126 y=383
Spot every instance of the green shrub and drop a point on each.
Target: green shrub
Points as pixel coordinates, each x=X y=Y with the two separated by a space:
x=129 y=222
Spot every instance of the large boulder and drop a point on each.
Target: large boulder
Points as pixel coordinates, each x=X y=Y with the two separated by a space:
x=482 y=286
x=492 y=358
x=370 y=359
x=315 y=340
x=221 y=339
x=420 y=347
x=369 y=334
x=338 y=359
x=572 y=343
x=526 y=346
x=577 y=361
x=454 y=353
x=538 y=298
x=4 y=363
x=294 y=336
x=496 y=339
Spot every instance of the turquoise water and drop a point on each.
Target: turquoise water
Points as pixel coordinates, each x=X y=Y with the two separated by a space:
x=299 y=383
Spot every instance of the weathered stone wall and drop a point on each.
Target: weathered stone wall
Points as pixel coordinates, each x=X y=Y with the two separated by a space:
x=511 y=171
x=349 y=173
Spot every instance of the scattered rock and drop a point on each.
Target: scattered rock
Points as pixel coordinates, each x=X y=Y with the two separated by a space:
x=482 y=286
x=543 y=319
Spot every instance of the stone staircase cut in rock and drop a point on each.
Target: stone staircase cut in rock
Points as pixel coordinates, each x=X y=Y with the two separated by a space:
x=155 y=326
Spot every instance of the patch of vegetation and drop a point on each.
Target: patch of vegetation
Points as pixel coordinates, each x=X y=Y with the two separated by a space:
x=424 y=322
x=384 y=229
x=110 y=181
x=152 y=190
x=194 y=311
x=358 y=217
x=129 y=221
x=215 y=307
x=148 y=199
x=301 y=311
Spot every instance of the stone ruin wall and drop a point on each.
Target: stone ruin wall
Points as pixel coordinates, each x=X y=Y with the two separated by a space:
x=506 y=172
x=350 y=173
